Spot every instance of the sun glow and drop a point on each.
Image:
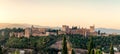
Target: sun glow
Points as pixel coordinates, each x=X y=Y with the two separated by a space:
x=102 y=14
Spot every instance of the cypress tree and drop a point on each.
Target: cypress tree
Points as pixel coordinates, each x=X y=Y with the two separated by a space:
x=90 y=45
x=92 y=51
x=111 y=49
x=35 y=48
x=73 y=52
x=98 y=51
x=17 y=52
x=1 y=50
x=64 y=49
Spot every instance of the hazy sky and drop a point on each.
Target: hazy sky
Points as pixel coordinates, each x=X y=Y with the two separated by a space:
x=101 y=13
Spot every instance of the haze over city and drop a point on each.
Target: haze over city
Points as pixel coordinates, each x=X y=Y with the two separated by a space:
x=101 y=13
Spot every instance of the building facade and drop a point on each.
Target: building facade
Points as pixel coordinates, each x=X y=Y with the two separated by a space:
x=35 y=32
x=38 y=32
x=82 y=31
x=64 y=30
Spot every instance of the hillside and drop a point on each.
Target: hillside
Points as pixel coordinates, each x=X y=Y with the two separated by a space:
x=108 y=30
x=10 y=25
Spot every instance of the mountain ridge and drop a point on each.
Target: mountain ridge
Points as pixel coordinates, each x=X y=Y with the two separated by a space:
x=16 y=25
x=108 y=30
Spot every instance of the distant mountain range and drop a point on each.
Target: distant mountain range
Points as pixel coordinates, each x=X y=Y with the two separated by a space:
x=10 y=25
x=108 y=30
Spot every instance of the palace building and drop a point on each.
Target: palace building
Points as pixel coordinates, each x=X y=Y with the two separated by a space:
x=33 y=31
x=82 y=31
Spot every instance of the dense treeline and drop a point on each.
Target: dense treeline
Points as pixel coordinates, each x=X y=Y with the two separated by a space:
x=5 y=37
x=38 y=44
x=79 y=41
x=4 y=34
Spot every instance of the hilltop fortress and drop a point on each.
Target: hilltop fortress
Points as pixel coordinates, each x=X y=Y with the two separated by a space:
x=74 y=30
x=64 y=30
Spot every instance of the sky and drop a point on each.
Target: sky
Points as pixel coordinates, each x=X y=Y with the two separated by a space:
x=83 y=13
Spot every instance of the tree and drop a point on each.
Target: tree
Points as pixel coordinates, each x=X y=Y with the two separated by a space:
x=99 y=32
x=17 y=52
x=1 y=50
x=73 y=52
x=92 y=51
x=64 y=49
x=74 y=27
x=98 y=51
x=35 y=48
x=111 y=49
x=90 y=45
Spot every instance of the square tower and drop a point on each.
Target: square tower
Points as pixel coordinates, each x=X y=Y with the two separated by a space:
x=92 y=28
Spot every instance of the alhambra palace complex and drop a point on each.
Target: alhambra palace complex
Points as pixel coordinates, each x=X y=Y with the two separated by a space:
x=64 y=30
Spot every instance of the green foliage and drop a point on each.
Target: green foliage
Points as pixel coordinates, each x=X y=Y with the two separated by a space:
x=73 y=52
x=98 y=51
x=99 y=32
x=90 y=46
x=17 y=30
x=64 y=50
x=4 y=37
x=17 y=52
x=7 y=31
x=38 y=44
x=52 y=30
x=92 y=51
x=1 y=50
x=111 y=49
x=79 y=41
